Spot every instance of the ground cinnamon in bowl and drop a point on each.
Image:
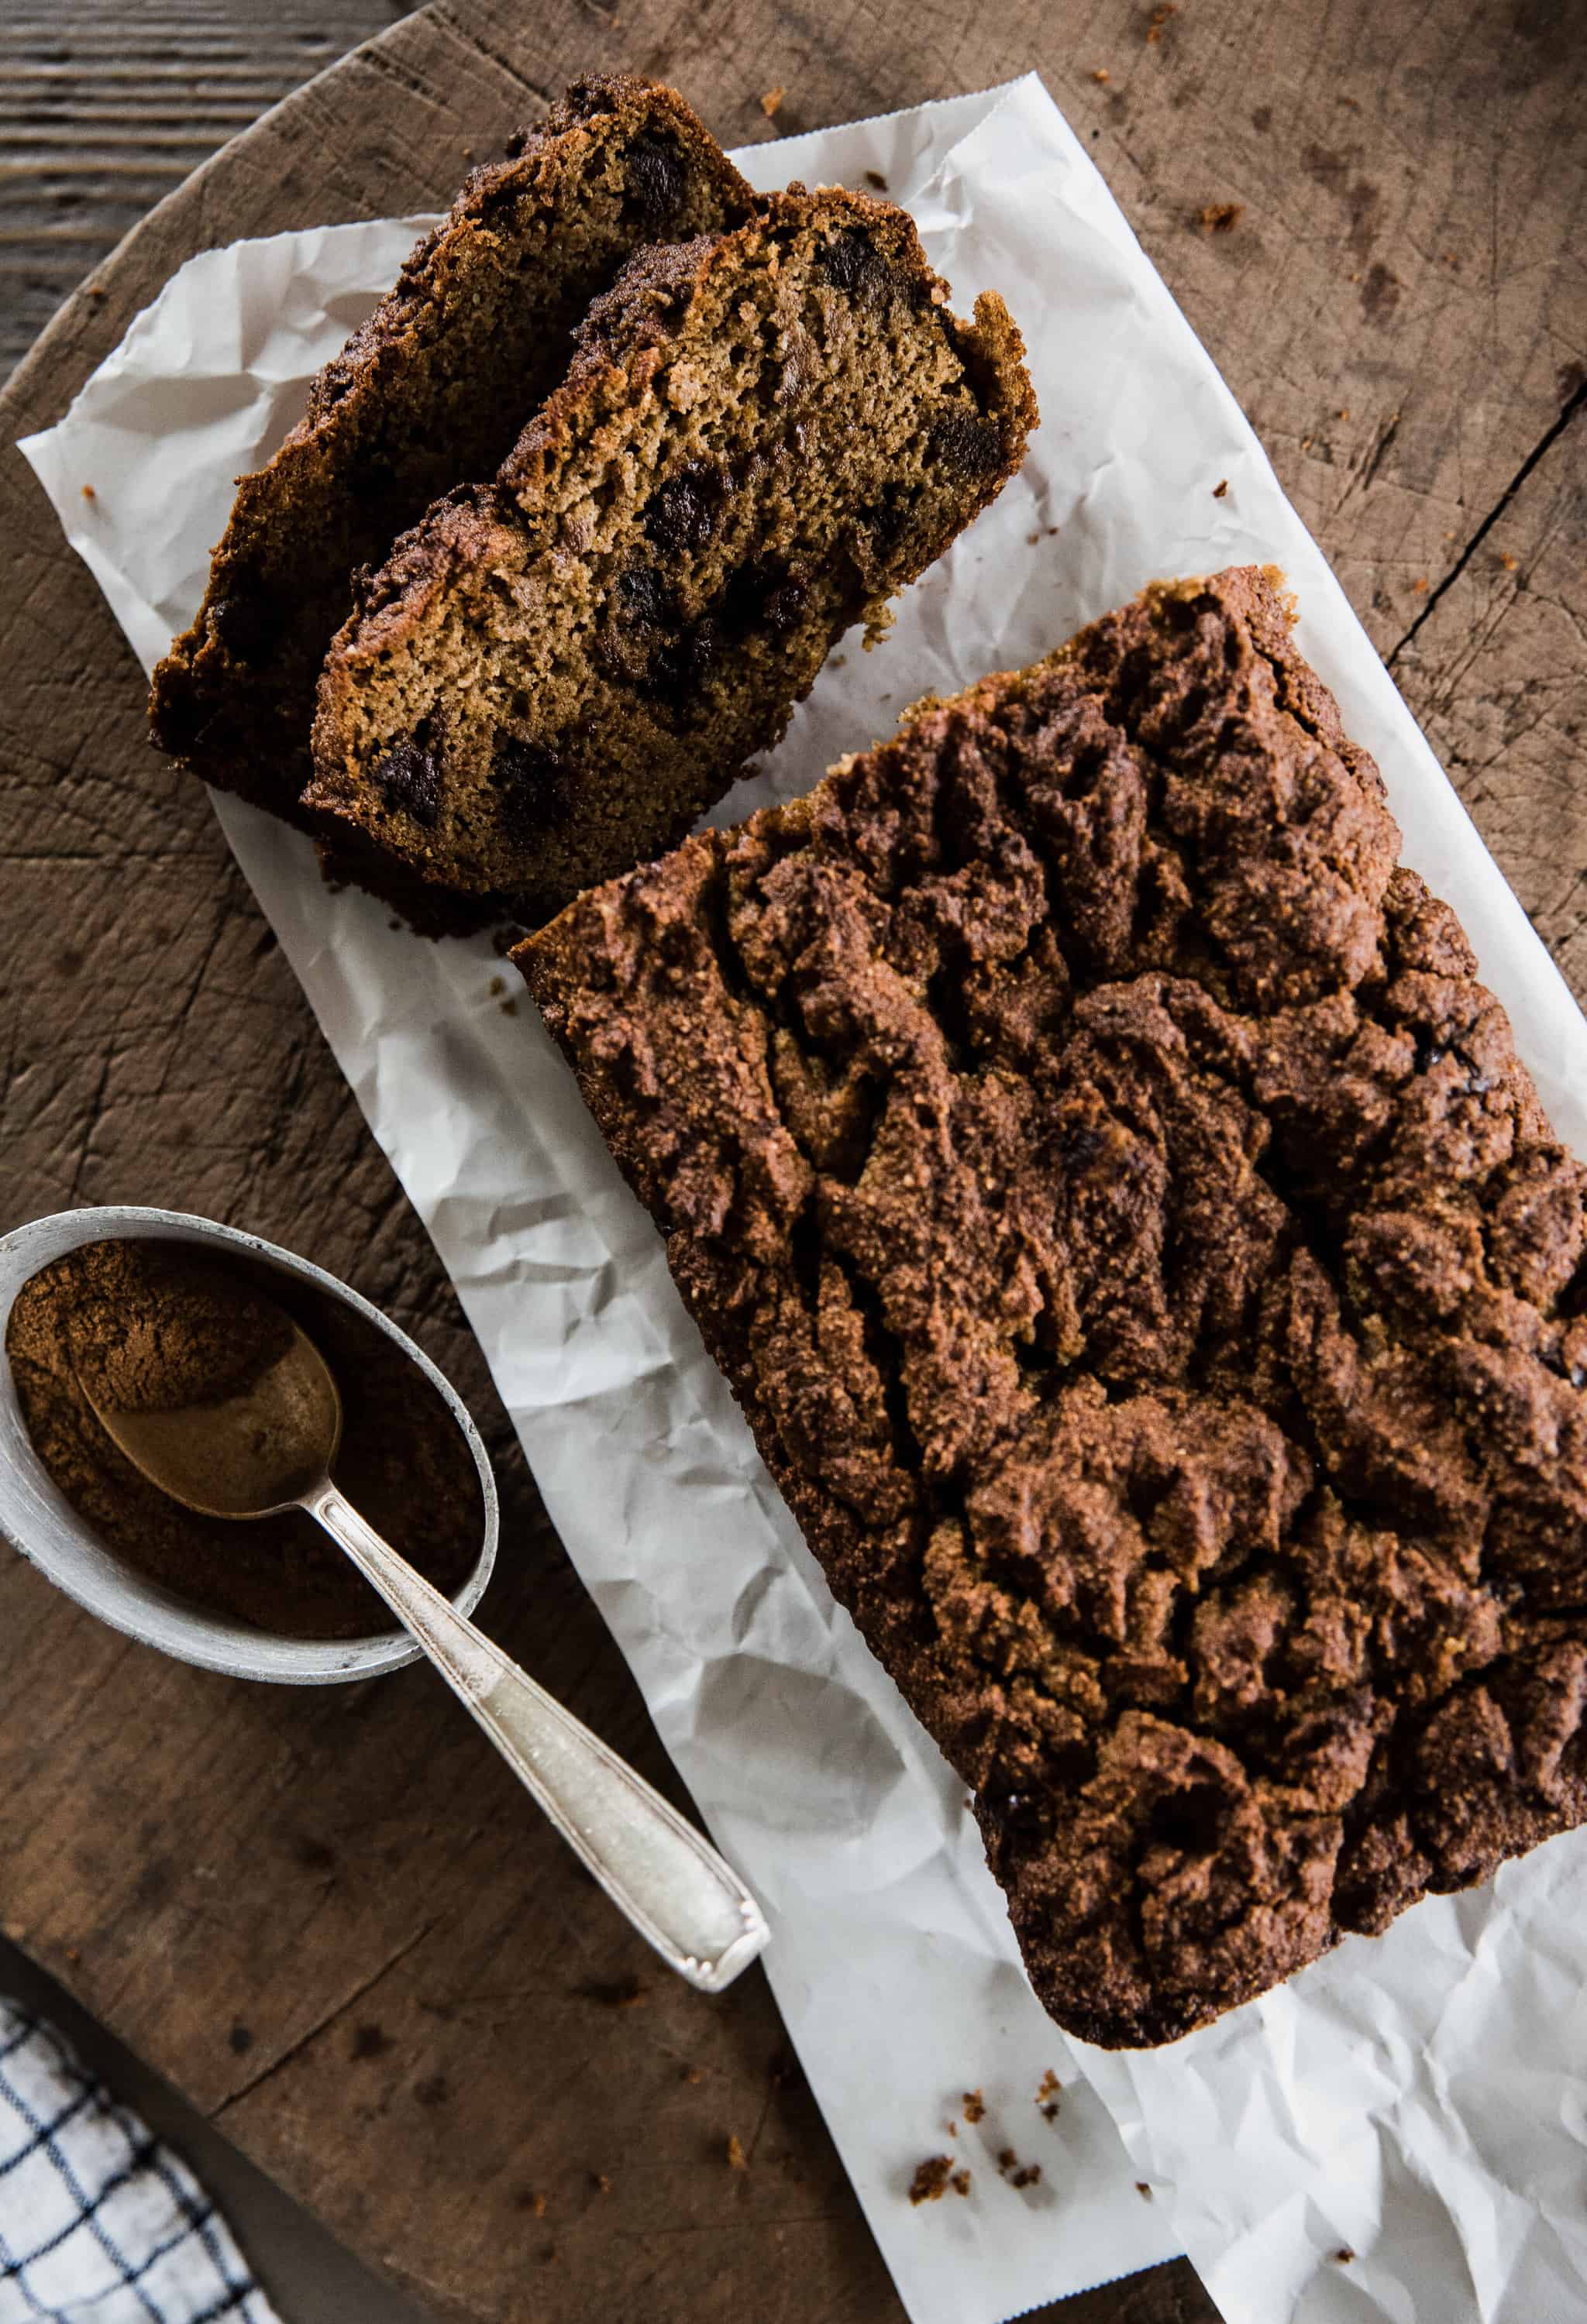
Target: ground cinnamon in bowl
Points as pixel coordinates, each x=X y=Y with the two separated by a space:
x=141 y=1320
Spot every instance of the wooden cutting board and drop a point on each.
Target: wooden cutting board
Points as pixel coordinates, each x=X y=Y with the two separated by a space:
x=328 y=1918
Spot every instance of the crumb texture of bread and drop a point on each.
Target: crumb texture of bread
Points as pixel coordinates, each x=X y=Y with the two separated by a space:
x=1152 y=1282
x=764 y=435
x=435 y=387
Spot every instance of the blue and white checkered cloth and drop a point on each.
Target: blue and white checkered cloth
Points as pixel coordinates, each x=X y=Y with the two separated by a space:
x=100 y=2222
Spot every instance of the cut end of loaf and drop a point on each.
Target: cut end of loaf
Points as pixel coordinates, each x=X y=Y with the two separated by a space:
x=432 y=388
x=764 y=435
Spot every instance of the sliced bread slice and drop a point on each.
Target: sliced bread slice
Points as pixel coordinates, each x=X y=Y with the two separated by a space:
x=432 y=388
x=764 y=435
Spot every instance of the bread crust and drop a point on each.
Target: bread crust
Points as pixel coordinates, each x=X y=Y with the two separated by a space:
x=1150 y=1278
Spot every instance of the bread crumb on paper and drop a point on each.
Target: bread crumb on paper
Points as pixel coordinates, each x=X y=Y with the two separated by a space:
x=1220 y=490
x=973 y=2106
x=771 y=100
x=876 y=182
x=934 y=2178
x=1048 y=2095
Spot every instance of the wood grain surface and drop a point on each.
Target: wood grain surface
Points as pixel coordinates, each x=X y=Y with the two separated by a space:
x=105 y=105
x=329 y=1917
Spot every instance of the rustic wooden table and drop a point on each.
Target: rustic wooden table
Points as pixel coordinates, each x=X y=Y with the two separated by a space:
x=326 y=1917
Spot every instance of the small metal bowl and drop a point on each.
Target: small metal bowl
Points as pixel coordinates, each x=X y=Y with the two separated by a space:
x=38 y=1520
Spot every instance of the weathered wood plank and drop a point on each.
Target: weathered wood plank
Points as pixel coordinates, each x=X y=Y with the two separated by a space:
x=107 y=104
x=1395 y=304
x=247 y=1883
x=1496 y=673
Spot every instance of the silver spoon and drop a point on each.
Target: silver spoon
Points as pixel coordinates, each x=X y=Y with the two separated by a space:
x=271 y=1448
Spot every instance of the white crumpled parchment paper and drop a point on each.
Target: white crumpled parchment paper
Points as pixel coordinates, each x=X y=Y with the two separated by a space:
x=1420 y=2102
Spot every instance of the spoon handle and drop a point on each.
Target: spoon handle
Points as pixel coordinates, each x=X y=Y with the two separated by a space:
x=656 y=1867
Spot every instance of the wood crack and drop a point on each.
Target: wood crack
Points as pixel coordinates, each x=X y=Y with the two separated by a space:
x=338 y=2009
x=1539 y=453
x=472 y=36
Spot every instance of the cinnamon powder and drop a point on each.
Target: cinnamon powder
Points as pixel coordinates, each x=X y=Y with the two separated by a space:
x=152 y=1324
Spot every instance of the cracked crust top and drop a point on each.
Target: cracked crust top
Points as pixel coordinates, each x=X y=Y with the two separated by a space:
x=1152 y=1282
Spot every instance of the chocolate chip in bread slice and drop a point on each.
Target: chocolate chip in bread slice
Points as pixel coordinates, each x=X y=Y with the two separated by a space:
x=434 y=388
x=764 y=435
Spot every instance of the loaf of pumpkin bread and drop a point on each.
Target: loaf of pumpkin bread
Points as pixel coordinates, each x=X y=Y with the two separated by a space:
x=1151 y=1279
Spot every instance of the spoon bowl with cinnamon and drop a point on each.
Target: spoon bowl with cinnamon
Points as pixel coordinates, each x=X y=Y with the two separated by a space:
x=153 y=1589
x=218 y=1398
